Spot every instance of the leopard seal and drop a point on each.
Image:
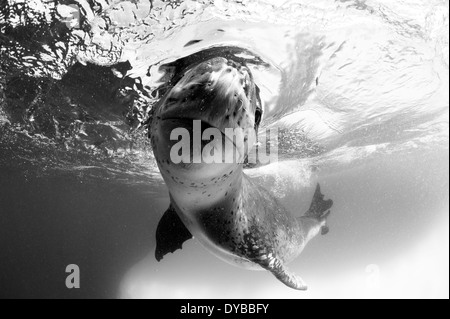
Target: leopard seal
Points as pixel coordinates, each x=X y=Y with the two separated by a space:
x=217 y=203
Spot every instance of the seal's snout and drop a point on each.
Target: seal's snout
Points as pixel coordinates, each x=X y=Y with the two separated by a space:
x=219 y=92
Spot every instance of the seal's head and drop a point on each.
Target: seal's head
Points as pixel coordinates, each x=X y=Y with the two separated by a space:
x=222 y=95
x=219 y=92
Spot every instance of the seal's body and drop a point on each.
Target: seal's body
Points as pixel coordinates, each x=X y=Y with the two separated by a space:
x=230 y=214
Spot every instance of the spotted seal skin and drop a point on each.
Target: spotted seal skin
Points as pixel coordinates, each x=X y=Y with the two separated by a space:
x=230 y=214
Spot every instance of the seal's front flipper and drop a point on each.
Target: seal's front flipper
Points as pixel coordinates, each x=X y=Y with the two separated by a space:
x=276 y=267
x=170 y=234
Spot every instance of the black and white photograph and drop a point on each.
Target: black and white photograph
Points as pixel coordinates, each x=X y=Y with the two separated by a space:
x=213 y=152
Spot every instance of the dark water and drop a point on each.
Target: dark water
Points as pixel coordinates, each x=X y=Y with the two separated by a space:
x=358 y=91
x=49 y=223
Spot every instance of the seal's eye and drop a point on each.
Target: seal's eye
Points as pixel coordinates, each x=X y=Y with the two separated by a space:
x=258 y=117
x=259 y=110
